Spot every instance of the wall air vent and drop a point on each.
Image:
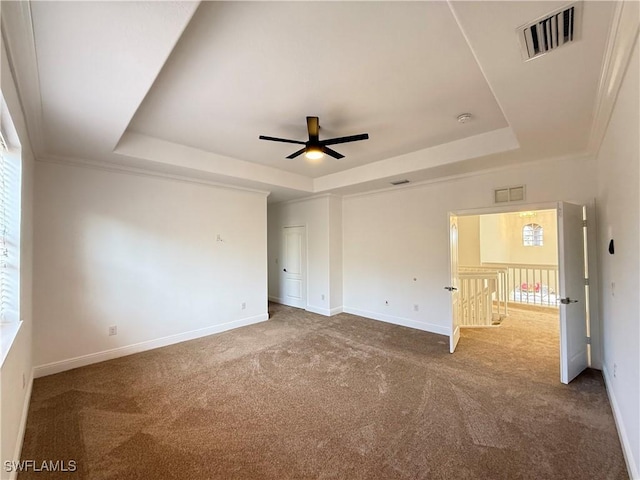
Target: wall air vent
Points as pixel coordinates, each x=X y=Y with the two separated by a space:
x=550 y=32
x=400 y=182
x=508 y=194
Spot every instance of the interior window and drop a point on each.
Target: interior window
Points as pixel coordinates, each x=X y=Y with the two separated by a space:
x=532 y=235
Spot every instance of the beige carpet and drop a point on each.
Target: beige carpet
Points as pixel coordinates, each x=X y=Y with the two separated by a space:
x=304 y=396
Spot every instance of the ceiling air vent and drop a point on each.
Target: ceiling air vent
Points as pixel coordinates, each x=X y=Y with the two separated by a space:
x=399 y=182
x=550 y=32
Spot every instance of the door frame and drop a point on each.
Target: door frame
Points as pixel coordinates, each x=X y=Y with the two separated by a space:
x=594 y=319
x=453 y=284
x=306 y=261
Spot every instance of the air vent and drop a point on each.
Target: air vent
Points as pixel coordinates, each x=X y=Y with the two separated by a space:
x=550 y=32
x=508 y=194
x=400 y=182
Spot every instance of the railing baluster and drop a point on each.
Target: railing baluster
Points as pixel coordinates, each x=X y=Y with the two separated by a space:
x=511 y=278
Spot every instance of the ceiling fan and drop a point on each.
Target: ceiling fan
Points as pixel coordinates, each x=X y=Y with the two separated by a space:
x=314 y=148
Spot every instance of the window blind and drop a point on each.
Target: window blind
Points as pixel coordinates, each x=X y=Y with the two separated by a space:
x=9 y=235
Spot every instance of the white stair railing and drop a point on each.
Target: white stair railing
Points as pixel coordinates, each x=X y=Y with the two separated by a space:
x=530 y=284
x=502 y=298
x=476 y=295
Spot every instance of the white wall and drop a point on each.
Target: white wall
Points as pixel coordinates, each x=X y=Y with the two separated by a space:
x=140 y=252
x=321 y=217
x=619 y=217
x=14 y=395
x=335 y=254
x=392 y=237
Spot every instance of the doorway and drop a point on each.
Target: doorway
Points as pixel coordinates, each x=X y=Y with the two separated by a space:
x=533 y=259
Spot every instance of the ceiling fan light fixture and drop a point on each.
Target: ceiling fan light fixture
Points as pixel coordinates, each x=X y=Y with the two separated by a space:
x=314 y=153
x=315 y=149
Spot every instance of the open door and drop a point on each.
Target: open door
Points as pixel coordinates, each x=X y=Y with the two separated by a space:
x=453 y=286
x=573 y=306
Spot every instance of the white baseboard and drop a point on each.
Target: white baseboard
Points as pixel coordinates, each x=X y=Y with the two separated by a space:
x=632 y=467
x=312 y=308
x=405 y=322
x=21 y=429
x=319 y=310
x=68 y=364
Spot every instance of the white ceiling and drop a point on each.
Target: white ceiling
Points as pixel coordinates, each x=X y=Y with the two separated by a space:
x=185 y=88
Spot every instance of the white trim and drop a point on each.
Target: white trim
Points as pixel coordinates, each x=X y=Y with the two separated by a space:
x=324 y=311
x=311 y=308
x=405 y=322
x=319 y=310
x=23 y=426
x=305 y=199
x=622 y=38
x=475 y=173
x=68 y=364
x=141 y=172
x=500 y=208
x=632 y=468
x=17 y=24
x=8 y=335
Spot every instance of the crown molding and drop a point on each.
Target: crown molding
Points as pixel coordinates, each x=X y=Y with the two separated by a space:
x=476 y=173
x=622 y=38
x=306 y=199
x=20 y=47
x=140 y=172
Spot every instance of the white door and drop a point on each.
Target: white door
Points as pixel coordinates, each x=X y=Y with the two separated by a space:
x=573 y=306
x=293 y=267
x=453 y=286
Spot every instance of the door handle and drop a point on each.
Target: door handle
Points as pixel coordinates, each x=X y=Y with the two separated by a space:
x=451 y=289
x=284 y=269
x=567 y=301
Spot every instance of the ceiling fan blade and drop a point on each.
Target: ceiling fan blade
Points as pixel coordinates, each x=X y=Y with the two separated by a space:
x=295 y=154
x=351 y=138
x=313 y=127
x=285 y=140
x=332 y=153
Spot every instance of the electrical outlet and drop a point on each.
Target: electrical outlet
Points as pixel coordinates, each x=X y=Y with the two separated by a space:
x=615 y=370
x=113 y=330
x=322 y=296
x=244 y=305
x=416 y=307
x=613 y=289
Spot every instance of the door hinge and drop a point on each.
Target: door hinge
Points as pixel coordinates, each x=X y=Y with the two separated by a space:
x=584 y=223
x=586 y=281
x=588 y=340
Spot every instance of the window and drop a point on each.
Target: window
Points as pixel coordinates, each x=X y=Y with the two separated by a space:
x=9 y=234
x=532 y=235
x=10 y=199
